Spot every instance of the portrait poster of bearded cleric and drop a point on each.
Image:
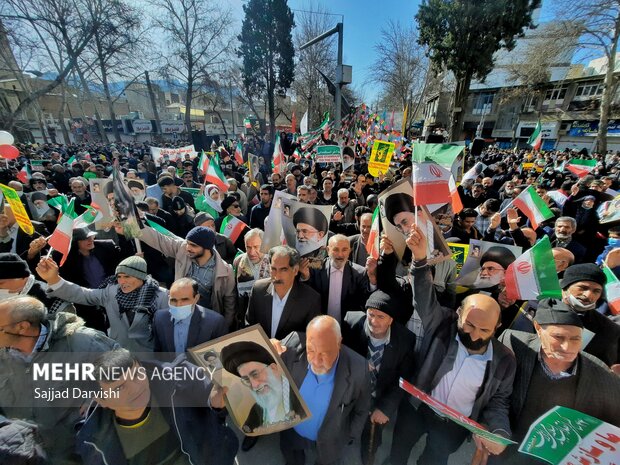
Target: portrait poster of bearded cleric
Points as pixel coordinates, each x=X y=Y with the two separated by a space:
x=398 y=217
x=486 y=263
x=306 y=228
x=261 y=396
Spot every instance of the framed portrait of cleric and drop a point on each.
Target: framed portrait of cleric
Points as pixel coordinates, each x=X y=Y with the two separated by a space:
x=398 y=215
x=261 y=396
x=102 y=194
x=306 y=228
x=137 y=188
x=39 y=208
x=494 y=257
x=273 y=223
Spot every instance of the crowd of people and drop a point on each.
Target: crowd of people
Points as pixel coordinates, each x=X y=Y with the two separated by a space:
x=347 y=329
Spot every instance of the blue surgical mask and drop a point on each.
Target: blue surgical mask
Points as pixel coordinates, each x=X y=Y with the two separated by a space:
x=613 y=242
x=180 y=313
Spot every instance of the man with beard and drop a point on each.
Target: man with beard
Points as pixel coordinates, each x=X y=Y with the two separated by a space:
x=493 y=265
x=358 y=241
x=460 y=363
x=260 y=212
x=275 y=399
x=552 y=371
x=311 y=229
x=582 y=287
x=565 y=227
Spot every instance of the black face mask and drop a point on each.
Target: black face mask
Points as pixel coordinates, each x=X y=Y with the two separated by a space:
x=469 y=344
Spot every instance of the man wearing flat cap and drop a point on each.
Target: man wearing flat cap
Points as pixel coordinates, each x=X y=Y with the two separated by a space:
x=275 y=399
x=582 y=288
x=387 y=346
x=311 y=229
x=552 y=370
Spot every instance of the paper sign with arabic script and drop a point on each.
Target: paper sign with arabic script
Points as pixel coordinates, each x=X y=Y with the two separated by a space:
x=563 y=436
x=457 y=417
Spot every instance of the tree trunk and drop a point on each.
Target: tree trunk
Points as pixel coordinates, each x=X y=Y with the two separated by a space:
x=188 y=107
x=108 y=97
x=61 y=115
x=601 y=142
x=458 y=103
x=89 y=95
x=153 y=104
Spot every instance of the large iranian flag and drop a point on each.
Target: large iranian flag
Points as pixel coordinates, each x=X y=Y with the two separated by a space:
x=533 y=274
x=232 y=228
x=215 y=176
x=372 y=246
x=239 y=153
x=535 y=208
x=612 y=290
x=60 y=239
x=431 y=183
x=535 y=139
x=278 y=160
x=203 y=163
x=580 y=167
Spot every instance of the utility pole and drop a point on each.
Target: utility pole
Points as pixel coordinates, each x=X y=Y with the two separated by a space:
x=232 y=111
x=153 y=104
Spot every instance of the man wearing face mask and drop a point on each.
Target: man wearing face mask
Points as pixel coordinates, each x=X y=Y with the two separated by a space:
x=582 y=287
x=460 y=363
x=613 y=242
x=185 y=323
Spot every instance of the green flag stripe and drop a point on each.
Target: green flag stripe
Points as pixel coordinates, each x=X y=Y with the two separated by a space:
x=159 y=228
x=545 y=272
x=540 y=204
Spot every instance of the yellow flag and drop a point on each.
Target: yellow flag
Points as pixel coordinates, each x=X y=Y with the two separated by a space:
x=380 y=157
x=19 y=212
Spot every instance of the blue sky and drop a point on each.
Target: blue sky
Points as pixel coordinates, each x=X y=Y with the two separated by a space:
x=363 y=20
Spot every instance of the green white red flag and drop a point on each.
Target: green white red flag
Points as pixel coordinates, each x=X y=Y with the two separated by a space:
x=430 y=183
x=159 y=228
x=535 y=139
x=580 y=167
x=92 y=214
x=71 y=160
x=239 y=154
x=60 y=239
x=372 y=245
x=24 y=174
x=278 y=160
x=532 y=206
x=533 y=274
x=214 y=175
x=612 y=290
x=232 y=228
x=203 y=163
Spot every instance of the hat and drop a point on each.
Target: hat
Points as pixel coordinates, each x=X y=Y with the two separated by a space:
x=201 y=217
x=81 y=234
x=500 y=255
x=202 y=236
x=38 y=196
x=396 y=204
x=165 y=181
x=133 y=266
x=556 y=312
x=311 y=216
x=136 y=184
x=228 y=201
x=178 y=203
x=236 y=354
x=383 y=302
x=13 y=267
x=583 y=272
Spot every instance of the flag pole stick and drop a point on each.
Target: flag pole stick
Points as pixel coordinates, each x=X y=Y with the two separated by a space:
x=138 y=245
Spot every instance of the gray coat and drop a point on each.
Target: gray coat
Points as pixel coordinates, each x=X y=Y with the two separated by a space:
x=137 y=337
x=68 y=341
x=350 y=401
x=439 y=351
x=223 y=296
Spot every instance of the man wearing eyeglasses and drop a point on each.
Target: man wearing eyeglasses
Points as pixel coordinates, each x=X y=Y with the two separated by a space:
x=275 y=399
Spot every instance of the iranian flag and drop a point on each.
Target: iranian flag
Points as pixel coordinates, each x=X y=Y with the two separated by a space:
x=535 y=208
x=535 y=139
x=612 y=290
x=71 y=160
x=203 y=163
x=457 y=203
x=431 y=184
x=60 y=239
x=24 y=174
x=92 y=214
x=247 y=123
x=533 y=275
x=159 y=228
x=372 y=245
x=232 y=227
x=278 y=160
x=474 y=172
x=214 y=175
x=239 y=154
x=580 y=167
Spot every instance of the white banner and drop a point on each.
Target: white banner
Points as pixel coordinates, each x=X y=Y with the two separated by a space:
x=142 y=126
x=172 y=154
x=169 y=127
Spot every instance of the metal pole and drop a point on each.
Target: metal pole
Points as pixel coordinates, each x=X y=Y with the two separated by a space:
x=338 y=93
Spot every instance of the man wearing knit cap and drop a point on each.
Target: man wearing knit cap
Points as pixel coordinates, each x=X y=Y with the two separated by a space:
x=196 y=257
x=130 y=299
x=582 y=287
x=223 y=244
x=552 y=370
x=275 y=400
x=387 y=346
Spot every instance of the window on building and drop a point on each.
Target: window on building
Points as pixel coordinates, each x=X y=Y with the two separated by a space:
x=530 y=104
x=589 y=90
x=483 y=103
x=557 y=93
x=215 y=119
